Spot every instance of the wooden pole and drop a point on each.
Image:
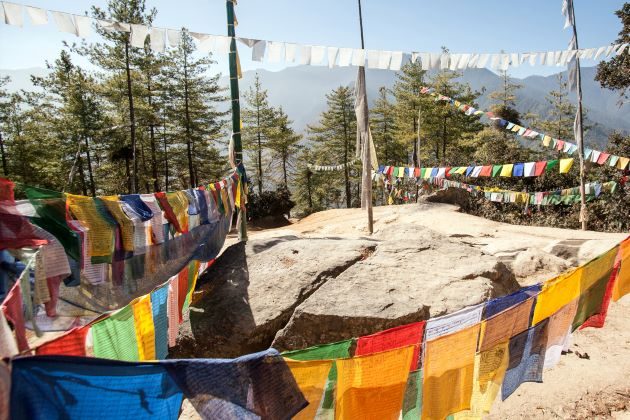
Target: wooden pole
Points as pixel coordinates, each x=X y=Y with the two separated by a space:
x=236 y=110
x=579 y=133
x=367 y=161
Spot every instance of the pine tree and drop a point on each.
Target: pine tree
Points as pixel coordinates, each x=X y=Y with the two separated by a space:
x=258 y=119
x=335 y=134
x=614 y=74
x=505 y=99
x=382 y=126
x=311 y=190
x=283 y=143
x=192 y=109
x=118 y=58
x=409 y=104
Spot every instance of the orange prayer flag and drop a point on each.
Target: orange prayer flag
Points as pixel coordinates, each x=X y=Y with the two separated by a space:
x=311 y=378
x=448 y=373
x=622 y=285
x=373 y=386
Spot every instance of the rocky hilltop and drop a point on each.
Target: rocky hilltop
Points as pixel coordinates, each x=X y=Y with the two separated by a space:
x=325 y=279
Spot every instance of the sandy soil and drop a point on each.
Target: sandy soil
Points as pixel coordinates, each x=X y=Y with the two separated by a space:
x=591 y=381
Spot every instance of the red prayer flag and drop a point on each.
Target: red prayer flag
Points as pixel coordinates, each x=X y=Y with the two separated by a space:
x=540 y=168
x=597 y=320
x=405 y=335
x=560 y=145
x=70 y=344
x=603 y=157
x=168 y=210
x=16 y=230
x=182 y=291
x=486 y=171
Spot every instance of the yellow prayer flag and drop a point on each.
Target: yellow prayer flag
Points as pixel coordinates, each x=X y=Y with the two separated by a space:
x=546 y=140
x=506 y=170
x=556 y=293
x=598 y=269
x=311 y=378
x=112 y=202
x=622 y=285
x=622 y=163
x=490 y=367
x=401 y=172
x=565 y=165
x=516 y=128
x=448 y=373
x=373 y=387
x=237 y=199
x=100 y=232
x=145 y=330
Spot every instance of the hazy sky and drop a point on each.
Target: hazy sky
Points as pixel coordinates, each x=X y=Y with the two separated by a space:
x=407 y=25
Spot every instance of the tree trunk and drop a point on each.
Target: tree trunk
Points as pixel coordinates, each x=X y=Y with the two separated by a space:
x=5 y=168
x=165 y=157
x=132 y=121
x=82 y=175
x=284 y=170
x=346 y=170
x=415 y=144
x=309 y=174
x=128 y=173
x=89 y=165
x=154 y=169
x=147 y=187
x=191 y=171
x=260 y=173
x=444 y=139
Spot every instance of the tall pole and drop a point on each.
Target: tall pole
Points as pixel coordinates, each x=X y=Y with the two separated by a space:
x=236 y=111
x=578 y=129
x=366 y=195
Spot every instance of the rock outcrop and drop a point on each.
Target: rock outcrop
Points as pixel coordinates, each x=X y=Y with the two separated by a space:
x=323 y=279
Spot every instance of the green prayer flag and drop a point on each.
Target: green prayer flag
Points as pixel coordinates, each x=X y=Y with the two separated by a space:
x=115 y=337
x=551 y=164
x=422 y=172
x=496 y=170
x=412 y=403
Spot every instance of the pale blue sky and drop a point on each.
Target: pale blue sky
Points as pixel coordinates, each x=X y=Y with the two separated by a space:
x=407 y=25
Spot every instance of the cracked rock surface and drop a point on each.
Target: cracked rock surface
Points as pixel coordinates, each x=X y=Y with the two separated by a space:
x=324 y=279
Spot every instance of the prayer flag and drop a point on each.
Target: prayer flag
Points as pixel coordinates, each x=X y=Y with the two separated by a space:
x=557 y=293
x=518 y=169
x=486 y=171
x=311 y=378
x=565 y=165
x=373 y=386
x=496 y=169
x=526 y=358
x=448 y=373
x=115 y=336
x=622 y=284
x=592 y=284
x=412 y=402
x=159 y=308
x=505 y=325
x=559 y=331
x=70 y=344
x=402 y=336
x=540 y=168
x=506 y=171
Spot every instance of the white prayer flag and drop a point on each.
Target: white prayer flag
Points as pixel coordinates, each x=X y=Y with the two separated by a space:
x=425 y=59
x=599 y=52
x=174 y=37
x=444 y=61
x=65 y=22
x=609 y=50
x=515 y=60
x=290 y=51
x=222 y=44
x=454 y=61
x=384 y=58
x=462 y=63
x=532 y=59
x=473 y=61
x=414 y=56
x=158 y=40
x=13 y=14
x=530 y=169
x=622 y=47
x=317 y=54
x=36 y=15
x=483 y=60
x=275 y=51
x=564 y=57
x=258 y=50
x=397 y=58
x=345 y=55
x=138 y=35
x=505 y=61
x=496 y=61
x=372 y=59
x=246 y=41
x=305 y=54
x=358 y=57
x=84 y=26
x=110 y=26
x=332 y=56
x=206 y=42
x=590 y=53
x=435 y=60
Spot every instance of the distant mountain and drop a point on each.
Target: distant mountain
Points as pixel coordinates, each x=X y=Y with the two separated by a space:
x=302 y=90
